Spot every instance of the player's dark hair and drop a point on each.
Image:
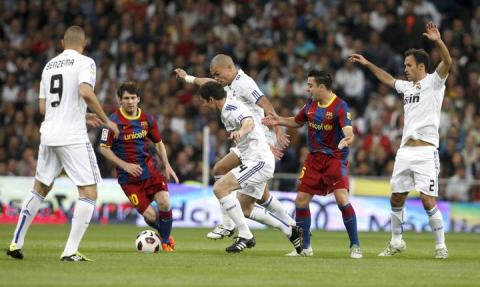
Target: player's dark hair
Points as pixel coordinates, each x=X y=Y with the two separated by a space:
x=421 y=57
x=321 y=77
x=130 y=87
x=212 y=90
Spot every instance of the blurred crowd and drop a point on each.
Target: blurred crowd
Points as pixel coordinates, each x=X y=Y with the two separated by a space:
x=275 y=42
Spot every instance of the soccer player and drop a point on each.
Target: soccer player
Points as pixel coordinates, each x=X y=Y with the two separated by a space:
x=66 y=89
x=325 y=169
x=251 y=176
x=244 y=88
x=416 y=164
x=137 y=170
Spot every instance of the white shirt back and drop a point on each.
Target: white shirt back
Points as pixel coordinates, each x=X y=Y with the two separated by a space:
x=253 y=145
x=65 y=111
x=422 y=104
x=244 y=88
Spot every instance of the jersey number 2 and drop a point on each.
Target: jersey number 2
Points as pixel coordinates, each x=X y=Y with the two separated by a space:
x=56 y=87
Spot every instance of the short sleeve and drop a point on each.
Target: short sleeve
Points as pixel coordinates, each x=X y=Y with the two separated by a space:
x=301 y=117
x=250 y=91
x=106 y=139
x=88 y=72
x=153 y=131
x=401 y=86
x=237 y=112
x=41 y=92
x=437 y=81
x=344 y=116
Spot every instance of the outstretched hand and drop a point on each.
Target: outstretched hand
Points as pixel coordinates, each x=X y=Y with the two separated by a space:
x=180 y=73
x=277 y=153
x=283 y=138
x=432 y=32
x=113 y=127
x=271 y=120
x=357 y=58
x=93 y=120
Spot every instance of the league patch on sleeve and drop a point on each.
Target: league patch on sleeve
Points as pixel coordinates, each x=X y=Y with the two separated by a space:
x=104 y=136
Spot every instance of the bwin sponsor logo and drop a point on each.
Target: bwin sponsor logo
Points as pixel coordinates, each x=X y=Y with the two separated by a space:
x=411 y=99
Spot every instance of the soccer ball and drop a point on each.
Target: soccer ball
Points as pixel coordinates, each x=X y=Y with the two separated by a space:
x=147 y=241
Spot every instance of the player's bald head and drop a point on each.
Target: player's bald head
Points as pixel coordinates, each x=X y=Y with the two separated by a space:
x=74 y=36
x=221 y=61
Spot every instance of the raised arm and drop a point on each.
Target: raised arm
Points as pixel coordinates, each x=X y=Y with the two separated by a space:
x=433 y=34
x=182 y=75
x=381 y=75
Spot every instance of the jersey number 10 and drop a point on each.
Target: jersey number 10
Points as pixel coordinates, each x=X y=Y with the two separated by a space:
x=56 y=87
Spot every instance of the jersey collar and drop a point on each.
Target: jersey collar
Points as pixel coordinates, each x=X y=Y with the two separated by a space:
x=329 y=103
x=125 y=115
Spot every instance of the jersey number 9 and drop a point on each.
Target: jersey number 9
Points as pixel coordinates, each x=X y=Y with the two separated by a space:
x=56 y=87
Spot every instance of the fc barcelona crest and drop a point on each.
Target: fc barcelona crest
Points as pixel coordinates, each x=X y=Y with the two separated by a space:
x=329 y=115
x=144 y=124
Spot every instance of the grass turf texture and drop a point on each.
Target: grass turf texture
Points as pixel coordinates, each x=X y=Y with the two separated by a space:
x=202 y=262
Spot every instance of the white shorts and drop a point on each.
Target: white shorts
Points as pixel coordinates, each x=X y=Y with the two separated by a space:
x=416 y=168
x=78 y=160
x=253 y=176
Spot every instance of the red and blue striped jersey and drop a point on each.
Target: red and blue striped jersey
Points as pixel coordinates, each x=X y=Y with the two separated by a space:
x=325 y=123
x=136 y=134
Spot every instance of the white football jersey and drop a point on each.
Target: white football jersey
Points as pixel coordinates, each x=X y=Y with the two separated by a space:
x=422 y=103
x=244 y=88
x=65 y=111
x=253 y=145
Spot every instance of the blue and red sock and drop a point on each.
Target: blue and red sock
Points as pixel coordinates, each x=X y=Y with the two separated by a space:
x=303 y=219
x=164 y=224
x=350 y=221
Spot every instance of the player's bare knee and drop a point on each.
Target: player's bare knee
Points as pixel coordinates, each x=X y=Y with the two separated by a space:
x=41 y=188
x=219 y=190
x=428 y=202
x=398 y=199
x=302 y=201
x=265 y=196
x=163 y=205
x=88 y=191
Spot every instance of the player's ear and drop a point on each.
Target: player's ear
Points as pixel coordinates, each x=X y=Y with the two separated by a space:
x=63 y=44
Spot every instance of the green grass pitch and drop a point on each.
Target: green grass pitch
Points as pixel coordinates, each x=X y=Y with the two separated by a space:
x=201 y=262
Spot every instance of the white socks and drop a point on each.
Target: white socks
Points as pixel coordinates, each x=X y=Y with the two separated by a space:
x=436 y=223
x=276 y=208
x=80 y=221
x=231 y=206
x=397 y=219
x=227 y=222
x=29 y=210
x=261 y=215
